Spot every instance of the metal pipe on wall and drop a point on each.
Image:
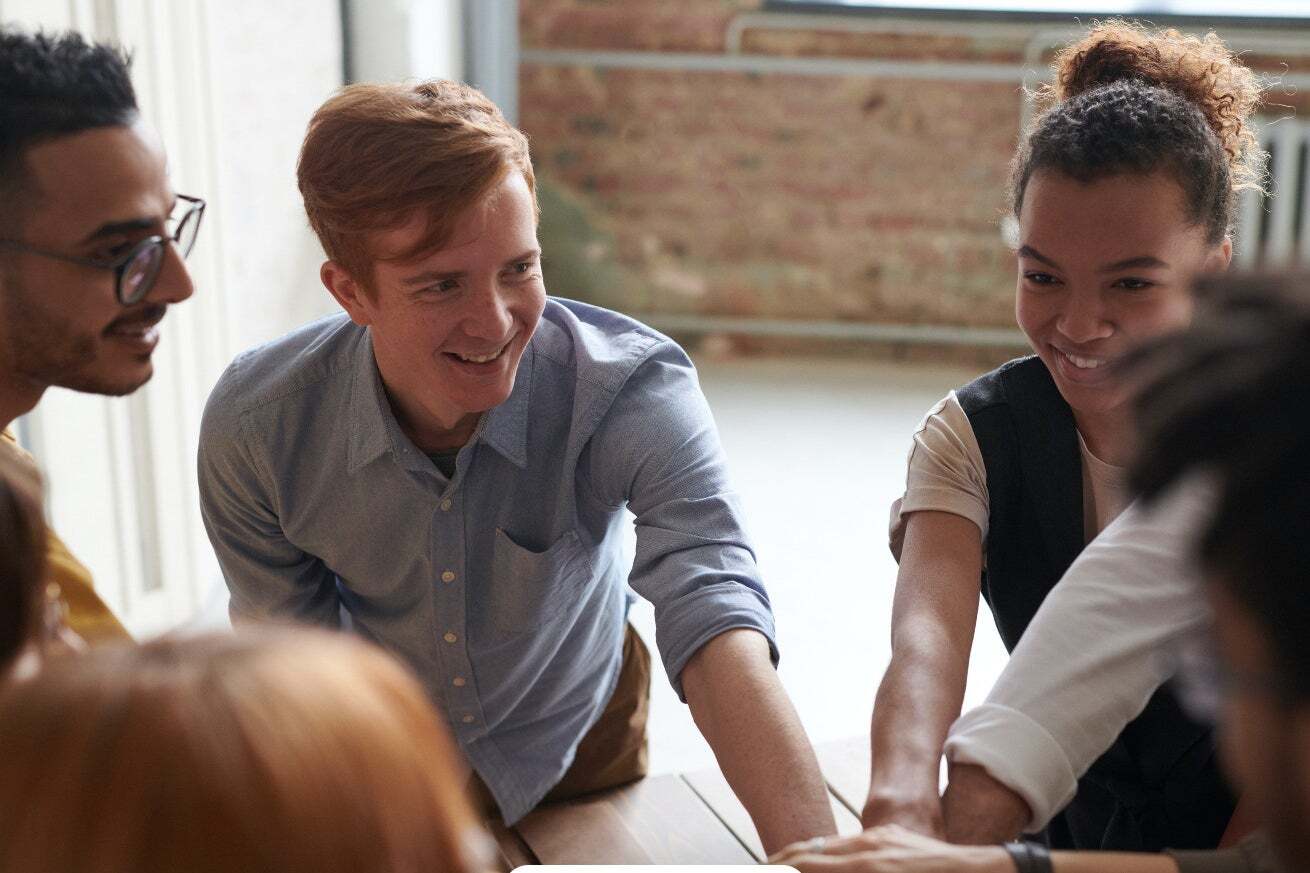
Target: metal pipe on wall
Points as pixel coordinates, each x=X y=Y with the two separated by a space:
x=914 y=334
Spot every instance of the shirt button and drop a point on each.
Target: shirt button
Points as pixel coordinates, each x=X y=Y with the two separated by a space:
x=445 y=505
x=448 y=576
x=459 y=681
x=450 y=638
x=468 y=719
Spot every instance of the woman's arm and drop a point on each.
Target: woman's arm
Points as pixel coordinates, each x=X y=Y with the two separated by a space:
x=896 y=850
x=1086 y=666
x=933 y=619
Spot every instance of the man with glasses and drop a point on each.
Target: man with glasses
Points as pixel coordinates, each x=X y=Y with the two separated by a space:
x=92 y=238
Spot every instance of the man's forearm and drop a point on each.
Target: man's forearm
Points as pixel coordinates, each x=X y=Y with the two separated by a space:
x=745 y=715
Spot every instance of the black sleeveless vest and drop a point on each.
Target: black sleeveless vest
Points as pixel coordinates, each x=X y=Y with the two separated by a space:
x=1159 y=785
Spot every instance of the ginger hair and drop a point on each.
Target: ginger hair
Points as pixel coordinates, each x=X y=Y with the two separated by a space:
x=264 y=751
x=376 y=155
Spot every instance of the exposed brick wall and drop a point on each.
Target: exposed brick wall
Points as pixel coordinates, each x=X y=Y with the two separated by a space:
x=767 y=194
x=630 y=25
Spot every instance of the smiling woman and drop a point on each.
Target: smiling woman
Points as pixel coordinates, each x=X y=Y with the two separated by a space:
x=1124 y=191
x=1102 y=266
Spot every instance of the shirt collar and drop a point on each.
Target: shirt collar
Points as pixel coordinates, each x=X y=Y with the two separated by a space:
x=373 y=425
x=369 y=409
x=506 y=426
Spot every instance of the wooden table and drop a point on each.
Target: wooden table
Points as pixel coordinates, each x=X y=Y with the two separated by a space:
x=692 y=818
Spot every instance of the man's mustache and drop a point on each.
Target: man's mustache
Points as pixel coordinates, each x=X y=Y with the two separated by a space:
x=145 y=317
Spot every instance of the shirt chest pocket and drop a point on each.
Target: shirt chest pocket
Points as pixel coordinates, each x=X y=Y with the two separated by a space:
x=531 y=588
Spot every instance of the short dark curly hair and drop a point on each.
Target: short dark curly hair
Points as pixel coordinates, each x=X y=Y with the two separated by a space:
x=53 y=85
x=1231 y=396
x=1129 y=100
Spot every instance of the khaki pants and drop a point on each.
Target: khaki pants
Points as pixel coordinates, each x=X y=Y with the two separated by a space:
x=613 y=752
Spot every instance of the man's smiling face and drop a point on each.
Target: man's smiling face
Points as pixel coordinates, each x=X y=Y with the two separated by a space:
x=449 y=327
x=94 y=195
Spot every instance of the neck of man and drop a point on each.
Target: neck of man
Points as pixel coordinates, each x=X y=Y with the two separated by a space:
x=431 y=439
x=427 y=429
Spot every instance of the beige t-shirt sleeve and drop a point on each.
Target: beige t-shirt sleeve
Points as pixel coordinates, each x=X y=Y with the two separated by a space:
x=945 y=471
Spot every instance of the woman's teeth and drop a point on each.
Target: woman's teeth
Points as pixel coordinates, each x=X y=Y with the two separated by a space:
x=1083 y=363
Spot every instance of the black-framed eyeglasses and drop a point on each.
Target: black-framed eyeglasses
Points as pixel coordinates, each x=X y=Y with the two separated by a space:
x=135 y=272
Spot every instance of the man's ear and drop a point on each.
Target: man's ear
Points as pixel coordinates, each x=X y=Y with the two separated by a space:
x=348 y=292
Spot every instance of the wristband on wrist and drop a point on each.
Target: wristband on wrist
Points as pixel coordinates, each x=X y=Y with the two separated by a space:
x=1029 y=857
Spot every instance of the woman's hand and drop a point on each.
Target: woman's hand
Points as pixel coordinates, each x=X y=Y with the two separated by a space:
x=892 y=849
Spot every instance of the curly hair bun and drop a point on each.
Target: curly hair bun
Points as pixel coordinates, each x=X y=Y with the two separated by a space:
x=1200 y=69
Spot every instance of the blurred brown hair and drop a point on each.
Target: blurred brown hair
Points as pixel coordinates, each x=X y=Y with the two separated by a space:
x=377 y=154
x=22 y=555
x=266 y=751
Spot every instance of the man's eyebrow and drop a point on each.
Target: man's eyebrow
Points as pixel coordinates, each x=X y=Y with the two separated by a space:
x=116 y=228
x=530 y=254
x=1141 y=262
x=1030 y=252
x=431 y=276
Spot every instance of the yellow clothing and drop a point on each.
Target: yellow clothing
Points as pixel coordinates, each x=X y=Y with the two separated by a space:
x=87 y=614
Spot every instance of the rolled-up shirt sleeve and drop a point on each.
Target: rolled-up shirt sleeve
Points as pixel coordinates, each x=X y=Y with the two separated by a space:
x=1097 y=649
x=658 y=451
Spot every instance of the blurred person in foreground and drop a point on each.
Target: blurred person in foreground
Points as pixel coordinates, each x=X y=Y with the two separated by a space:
x=22 y=565
x=92 y=238
x=266 y=751
x=1225 y=420
x=449 y=461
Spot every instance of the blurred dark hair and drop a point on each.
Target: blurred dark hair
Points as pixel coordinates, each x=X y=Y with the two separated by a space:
x=1130 y=100
x=53 y=85
x=22 y=555
x=1230 y=396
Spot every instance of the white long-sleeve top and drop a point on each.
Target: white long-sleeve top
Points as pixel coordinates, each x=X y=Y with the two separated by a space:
x=1100 y=645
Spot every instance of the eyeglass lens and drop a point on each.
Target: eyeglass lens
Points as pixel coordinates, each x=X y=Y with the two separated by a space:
x=139 y=273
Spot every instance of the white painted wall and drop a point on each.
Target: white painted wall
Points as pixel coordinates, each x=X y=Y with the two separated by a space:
x=406 y=39
x=474 y=41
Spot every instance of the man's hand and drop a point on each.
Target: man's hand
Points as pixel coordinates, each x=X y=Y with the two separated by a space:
x=978 y=809
x=918 y=812
x=745 y=715
x=892 y=849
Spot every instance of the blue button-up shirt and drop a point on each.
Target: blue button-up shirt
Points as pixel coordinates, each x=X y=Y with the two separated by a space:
x=503 y=586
